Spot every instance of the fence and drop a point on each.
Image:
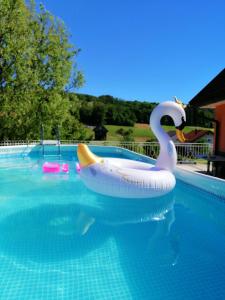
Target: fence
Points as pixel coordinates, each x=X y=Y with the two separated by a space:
x=184 y=150
x=18 y=143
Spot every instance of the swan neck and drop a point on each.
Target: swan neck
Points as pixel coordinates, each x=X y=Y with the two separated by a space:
x=167 y=158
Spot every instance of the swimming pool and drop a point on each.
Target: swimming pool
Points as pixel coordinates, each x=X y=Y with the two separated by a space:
x=60 y=241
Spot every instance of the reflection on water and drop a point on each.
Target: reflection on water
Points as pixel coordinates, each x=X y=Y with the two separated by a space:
x=46 y=225
x=116 y=211
x=163 y=245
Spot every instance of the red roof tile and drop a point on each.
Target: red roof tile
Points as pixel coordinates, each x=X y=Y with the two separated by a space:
x=196 y=134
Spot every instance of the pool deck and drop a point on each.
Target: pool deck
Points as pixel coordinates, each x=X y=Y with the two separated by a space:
x=200 y=168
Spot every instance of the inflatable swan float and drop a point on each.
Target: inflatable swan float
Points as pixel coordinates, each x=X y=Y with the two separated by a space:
x=126 y=178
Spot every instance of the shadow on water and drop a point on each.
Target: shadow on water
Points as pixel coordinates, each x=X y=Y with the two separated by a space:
x=148 y=250
x=147 y=243
x=50 y=233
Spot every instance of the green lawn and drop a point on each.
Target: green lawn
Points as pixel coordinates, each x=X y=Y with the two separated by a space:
x=140 y=134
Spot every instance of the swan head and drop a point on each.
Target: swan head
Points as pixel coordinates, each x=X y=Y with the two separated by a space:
x=173 y=109
x=180 y=127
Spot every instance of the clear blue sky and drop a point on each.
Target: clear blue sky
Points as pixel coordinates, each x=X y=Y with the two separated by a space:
x=145 y=49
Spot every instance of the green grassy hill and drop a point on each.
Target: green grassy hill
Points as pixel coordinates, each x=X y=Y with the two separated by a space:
x=141 y=132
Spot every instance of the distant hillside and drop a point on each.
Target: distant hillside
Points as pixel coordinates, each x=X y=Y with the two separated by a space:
x=138 y=132
x=114 y=111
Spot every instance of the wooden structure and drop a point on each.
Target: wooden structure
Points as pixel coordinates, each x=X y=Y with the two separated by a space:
x=100 y=133
x=213 y=96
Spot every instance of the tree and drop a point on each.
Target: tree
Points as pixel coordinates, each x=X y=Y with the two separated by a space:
x=36 y=68
x=15 y=74
x=127 y=135
x=117 y=111
x=98 y=114
x=127 y=113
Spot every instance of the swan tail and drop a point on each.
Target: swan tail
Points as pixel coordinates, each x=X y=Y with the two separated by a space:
x=86 y=157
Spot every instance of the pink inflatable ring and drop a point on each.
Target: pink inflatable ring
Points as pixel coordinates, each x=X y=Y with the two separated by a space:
x=49 y=167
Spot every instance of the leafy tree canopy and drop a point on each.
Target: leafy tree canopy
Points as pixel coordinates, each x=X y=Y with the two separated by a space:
x=37 y=67
x=122 y=112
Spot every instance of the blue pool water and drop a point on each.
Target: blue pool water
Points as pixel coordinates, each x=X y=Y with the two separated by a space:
x=60 y=241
